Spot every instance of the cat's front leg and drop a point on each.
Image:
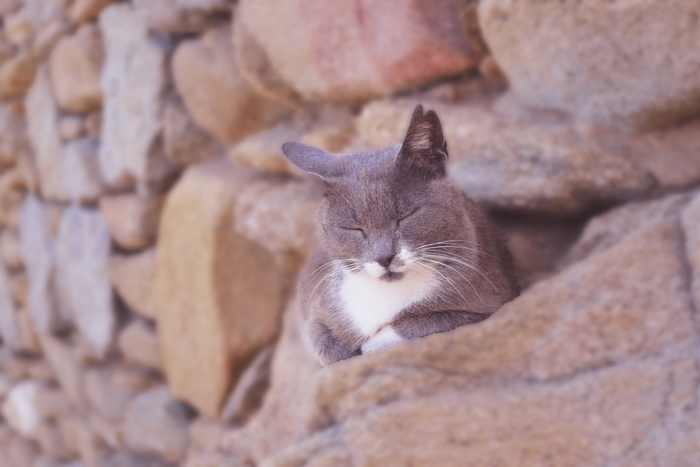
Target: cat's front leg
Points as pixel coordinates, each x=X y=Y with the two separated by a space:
x=327 y=347
x=424 y=324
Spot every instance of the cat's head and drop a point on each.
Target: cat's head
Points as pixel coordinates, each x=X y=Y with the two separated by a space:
x=382 y=209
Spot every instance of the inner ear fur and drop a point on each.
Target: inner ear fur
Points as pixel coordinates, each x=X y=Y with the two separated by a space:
x=424 y=148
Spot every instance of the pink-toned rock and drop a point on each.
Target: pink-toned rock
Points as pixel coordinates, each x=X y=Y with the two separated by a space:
x=595 y=365
x=52 y=443
x=213 y=90
x=133 y=277
x=10 y=249
x=183 y=16
x=151 y=428
x=71 y=127
x=218 y=293
x=22 y=452
x=184 y=142
x=356 y=51
x=75 y=65
x=247 y=396
x=16 y=75
x=66 y=368
x=14 y=145
x=132 y=219
x=19 y=285
x=80 y=437
x=107 y=399
x=599 y=60
x=27 y=23
x=86 y=10
x=139 y=345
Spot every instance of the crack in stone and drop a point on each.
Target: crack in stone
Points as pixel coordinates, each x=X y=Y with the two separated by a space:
x=687 y=270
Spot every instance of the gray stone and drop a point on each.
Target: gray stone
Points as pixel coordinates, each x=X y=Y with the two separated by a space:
x=150 y=428
x=66 y=368
x=133 y=81
x=528 y=163
x=39 y=255
x=44 y=136
x=139 y=345
x=82 y=179
x=107 y=399
x=84 y=247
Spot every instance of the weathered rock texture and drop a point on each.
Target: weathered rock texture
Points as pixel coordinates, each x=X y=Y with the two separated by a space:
x=545 y=381
x=599 y=60
x=376 y=49
x=151 y=230
x=218 y=294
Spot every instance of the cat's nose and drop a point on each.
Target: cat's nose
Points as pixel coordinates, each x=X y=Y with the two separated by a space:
x=385 y=260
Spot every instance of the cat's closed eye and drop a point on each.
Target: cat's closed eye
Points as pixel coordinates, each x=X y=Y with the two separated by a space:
x=407 y=215
x=358 y=230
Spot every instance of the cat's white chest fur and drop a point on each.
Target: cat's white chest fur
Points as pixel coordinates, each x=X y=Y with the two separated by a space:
x=370 y=303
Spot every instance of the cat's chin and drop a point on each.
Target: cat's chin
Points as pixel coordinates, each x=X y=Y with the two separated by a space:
x=391 y=276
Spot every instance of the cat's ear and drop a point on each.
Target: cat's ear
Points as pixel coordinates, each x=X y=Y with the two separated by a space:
x=424 y=149
x=315 y=161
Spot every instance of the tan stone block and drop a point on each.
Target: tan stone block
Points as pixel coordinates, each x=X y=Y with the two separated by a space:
x=218 y=293
x=133 y=278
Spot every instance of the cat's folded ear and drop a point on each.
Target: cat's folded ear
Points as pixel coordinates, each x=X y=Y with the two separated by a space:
x=424 y=149
x=315 y=161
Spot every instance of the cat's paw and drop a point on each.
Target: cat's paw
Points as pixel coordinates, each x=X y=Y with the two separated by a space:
x=384 y=337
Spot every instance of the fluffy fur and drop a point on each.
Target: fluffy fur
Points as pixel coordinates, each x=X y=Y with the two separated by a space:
x=403 y=252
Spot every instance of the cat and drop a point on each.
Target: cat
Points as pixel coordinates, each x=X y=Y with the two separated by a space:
x=402 y=253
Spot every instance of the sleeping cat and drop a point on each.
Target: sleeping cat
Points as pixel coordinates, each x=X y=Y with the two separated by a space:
x=403 y=252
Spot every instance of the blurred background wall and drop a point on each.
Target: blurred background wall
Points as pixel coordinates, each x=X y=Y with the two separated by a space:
x=151 y=230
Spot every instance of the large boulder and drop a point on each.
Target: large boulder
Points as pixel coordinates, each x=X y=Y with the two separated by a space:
x=218 y=293
x=351 y=51
x=183 y=16
x=539 y=164
x=596 y=365
x=628 y=65
x=220 y=100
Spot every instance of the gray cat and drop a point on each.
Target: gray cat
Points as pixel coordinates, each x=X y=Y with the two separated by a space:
x=403 y=252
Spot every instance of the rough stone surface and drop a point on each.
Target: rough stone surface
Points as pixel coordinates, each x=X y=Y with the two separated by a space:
x=108 y=399
x=44 y=136
x=39 y=255
x=183 y=17
x=71 y=127
x=85 y=10
x=9 y=328
x=150 y=428
x=80 y=164
x=543 y=164
x=16 y=75
x=218 y=293
x=19 y=408
x=599 y=60
x=132 y=219
x=263 y=150
x=133 y=278
x=247 y=396
x=139 y=345
x=220 y=100
x=13 y=135
x=75 y=66
x=32 y=18
x=184 y=141
x=11 y=249
x=65 y=367
x=553 y=378
x=133 y=79
x=376 y=49
x=84 y=248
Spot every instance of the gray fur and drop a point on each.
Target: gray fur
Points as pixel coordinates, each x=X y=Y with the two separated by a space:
x=399 y=194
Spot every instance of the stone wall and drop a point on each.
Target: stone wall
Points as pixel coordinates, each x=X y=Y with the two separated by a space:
x=151 y=230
